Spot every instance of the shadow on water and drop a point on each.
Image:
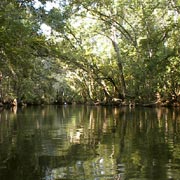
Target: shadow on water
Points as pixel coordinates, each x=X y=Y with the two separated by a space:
x=89 y=143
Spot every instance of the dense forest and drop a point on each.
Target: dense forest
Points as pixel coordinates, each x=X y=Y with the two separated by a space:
x=90 y=51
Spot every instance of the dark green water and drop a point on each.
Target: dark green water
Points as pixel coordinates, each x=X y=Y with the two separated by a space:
x=89 y=143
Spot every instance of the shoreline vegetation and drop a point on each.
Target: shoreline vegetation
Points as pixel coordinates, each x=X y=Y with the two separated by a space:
x=114 y=102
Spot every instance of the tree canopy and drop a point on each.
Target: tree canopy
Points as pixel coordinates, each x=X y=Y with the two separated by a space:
x=90 y=51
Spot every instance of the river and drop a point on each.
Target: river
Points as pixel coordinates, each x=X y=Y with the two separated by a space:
x=74 y=142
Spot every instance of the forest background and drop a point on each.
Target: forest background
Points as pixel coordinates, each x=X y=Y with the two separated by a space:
x=90 y=51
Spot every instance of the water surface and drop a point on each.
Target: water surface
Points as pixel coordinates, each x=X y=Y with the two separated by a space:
x=89 y=143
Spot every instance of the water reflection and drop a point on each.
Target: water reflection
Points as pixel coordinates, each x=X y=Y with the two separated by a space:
x=89 y=143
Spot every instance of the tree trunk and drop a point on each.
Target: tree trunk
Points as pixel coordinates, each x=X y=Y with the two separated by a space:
x=1 y=94
x=116 y=49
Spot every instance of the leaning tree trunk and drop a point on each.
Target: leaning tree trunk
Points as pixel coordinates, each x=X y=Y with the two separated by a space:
x=120 y=66
x=1 y=86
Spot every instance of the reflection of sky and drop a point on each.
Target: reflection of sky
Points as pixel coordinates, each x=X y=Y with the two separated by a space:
x=94 y=168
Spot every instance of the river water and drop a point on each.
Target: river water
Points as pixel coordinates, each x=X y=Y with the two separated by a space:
x=89 y=143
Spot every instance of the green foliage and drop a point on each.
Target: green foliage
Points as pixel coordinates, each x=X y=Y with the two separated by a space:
x=99 y=50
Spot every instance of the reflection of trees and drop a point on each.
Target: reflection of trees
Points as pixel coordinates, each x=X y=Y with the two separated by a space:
x=147 y=139
x=105 y=126
x=6 y=120
x=57 y=140
x=94 y=124
x=89 y=133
